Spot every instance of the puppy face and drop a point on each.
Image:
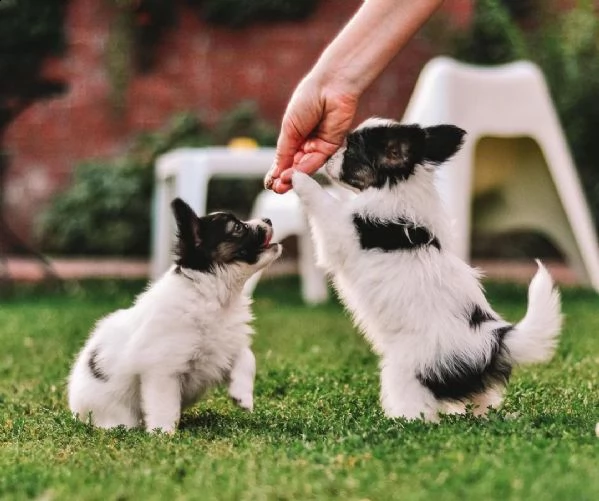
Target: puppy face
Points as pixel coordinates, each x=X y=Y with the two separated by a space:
x=384 y=153
x=220 y=239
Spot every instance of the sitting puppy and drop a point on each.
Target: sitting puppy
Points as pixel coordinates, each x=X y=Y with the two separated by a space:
x=190 y=330
x=423 y=309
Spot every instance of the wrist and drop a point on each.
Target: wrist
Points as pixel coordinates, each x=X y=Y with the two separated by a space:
x=334 y=81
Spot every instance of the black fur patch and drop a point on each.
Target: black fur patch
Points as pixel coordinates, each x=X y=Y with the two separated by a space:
x=92 y=363
x=478 y=316
x=203 y=243
x=393 y=235
x=458 y=380
x=389 y=154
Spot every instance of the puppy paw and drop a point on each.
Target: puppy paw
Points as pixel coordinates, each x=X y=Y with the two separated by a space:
x=302 y=183
x=411 y=413
x=242 y=395
x=245 y=402
x=166 y=429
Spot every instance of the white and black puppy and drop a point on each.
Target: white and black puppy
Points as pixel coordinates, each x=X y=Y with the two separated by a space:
x=187 y=332
x=423 y=309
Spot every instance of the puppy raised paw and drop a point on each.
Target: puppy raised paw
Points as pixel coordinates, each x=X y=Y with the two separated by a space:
x=302 y=183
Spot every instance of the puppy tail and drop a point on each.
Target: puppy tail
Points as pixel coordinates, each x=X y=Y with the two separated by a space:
x=534 y=338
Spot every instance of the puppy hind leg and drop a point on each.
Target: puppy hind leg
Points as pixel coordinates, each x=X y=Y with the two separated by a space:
x=403 y=396
x=490 y=399
x=241 y=379
x=453 y=408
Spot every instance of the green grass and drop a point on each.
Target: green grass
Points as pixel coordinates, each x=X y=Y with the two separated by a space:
x=317 y=431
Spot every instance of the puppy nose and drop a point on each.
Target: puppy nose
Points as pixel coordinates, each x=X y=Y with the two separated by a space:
x=267 y=221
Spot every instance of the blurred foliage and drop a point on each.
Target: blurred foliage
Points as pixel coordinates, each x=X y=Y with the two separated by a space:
x=119 y=54
x=240 y=13
x=244 y=121
x=30 y=31
x=565 y=46
x=152 y=19
x=493 y=36
x=522 y=9
x=107 y=208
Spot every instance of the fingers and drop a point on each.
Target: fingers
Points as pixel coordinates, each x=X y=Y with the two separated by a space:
x=289 y=143
x=280 y=187
x=269 y=180
x=308 y=163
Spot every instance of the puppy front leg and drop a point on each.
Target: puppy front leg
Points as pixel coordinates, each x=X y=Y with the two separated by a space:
x=314 y=197
x=161 y=402
x=329 y=228
x=241 y=379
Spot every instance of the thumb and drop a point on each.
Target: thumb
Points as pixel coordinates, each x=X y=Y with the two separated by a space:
x=289 y=143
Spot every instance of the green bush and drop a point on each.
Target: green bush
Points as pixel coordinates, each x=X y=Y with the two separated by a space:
x=493 y=36
x=107 y=208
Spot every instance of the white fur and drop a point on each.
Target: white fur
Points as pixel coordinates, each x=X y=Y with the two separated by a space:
x=405 y=303
x=186 y=333
x=535 y=336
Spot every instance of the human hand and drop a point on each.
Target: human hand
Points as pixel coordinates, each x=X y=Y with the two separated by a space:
x=317 y=119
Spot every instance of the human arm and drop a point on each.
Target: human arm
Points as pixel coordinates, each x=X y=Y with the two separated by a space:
x=321 y=109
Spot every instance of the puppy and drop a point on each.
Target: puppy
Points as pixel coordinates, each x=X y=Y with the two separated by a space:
x=422 y=309
x=187 y=332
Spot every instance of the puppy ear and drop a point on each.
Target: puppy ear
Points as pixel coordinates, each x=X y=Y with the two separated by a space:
x=442 y=142
x=188 y=227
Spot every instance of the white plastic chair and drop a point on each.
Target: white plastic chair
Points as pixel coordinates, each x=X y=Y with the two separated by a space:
x=516 y=147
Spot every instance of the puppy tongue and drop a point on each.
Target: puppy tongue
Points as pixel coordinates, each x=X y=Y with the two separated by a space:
x=267 y=239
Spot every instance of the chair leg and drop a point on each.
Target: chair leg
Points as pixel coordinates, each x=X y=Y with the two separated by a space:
x=313 y=279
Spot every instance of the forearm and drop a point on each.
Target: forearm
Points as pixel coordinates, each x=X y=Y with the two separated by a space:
x=366 y=45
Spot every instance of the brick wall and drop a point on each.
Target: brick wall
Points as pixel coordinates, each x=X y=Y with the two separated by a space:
x=199 y=67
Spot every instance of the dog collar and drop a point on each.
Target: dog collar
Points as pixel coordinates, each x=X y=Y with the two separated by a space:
x=393 y=235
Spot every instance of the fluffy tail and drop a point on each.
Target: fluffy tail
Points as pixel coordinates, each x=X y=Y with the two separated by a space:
x=535 y=337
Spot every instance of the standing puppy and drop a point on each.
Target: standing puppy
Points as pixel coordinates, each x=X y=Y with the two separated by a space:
x=189 y=331
x=423 y=309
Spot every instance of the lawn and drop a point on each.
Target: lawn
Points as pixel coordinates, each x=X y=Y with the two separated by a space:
x=317 y=431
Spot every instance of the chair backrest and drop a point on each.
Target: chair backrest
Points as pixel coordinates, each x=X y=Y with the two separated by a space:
x=506 y=100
